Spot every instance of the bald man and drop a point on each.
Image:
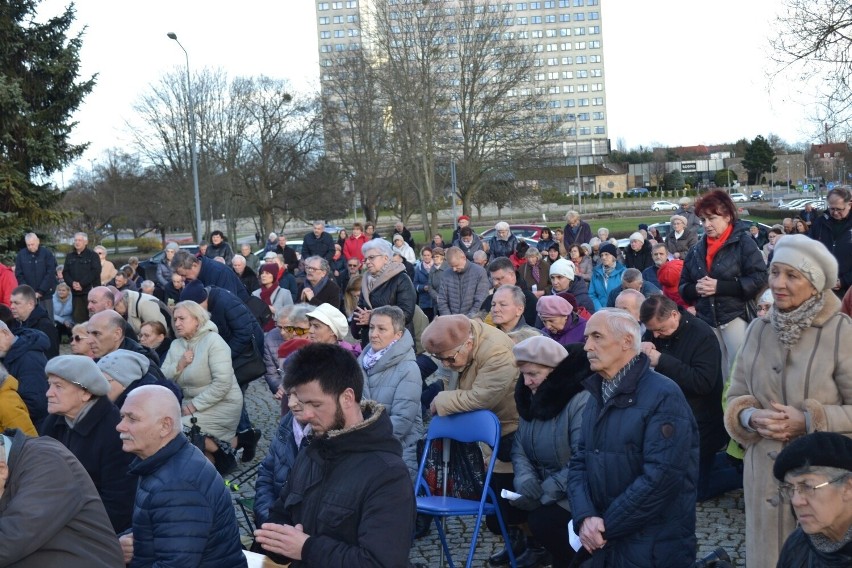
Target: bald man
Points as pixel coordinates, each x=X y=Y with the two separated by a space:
x=183 y=514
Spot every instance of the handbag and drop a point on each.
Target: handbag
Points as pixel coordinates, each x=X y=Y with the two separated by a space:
x=466 y=473
x=248 y=366
x=750 y=311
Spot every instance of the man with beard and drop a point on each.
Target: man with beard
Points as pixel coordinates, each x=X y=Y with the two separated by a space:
x=348 y=499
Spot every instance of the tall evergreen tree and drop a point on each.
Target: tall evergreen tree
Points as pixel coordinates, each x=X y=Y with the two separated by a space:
x=39 y=91
x=759 y=158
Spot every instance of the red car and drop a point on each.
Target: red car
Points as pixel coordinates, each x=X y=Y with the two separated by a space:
x=527 y=232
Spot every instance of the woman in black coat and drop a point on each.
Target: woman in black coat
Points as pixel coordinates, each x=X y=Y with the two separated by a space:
x=723 y=273
x=384 y=283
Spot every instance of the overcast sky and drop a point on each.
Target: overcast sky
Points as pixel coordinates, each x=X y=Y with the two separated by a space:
x=677 y=72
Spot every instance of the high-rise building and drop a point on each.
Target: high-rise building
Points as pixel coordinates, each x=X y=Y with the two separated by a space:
x=565 y=37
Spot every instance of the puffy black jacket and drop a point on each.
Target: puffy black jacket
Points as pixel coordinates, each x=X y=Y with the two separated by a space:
x=216 y=274
x=322 y=246
x=798 y=552
x=25 y=361
x=399 y=292
x=39 y=319
x=85 y=268
x=740 y=270
x=351 y=492
x=236 y=324
x=822 y=230
x=37 y=270
x=639 y=260
x=636 y=467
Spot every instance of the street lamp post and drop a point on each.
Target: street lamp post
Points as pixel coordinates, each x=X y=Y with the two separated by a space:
x=193 y=155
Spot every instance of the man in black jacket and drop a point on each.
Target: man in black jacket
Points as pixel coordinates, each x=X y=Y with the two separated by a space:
x=209 y=273
x=318 y=243
x=82 y=271
x=35 y=266
x=348 y=499
x=682 y=347
x=30 y=314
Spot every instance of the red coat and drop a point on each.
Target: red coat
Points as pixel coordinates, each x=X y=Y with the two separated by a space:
x=352 y=247
x=8 y=282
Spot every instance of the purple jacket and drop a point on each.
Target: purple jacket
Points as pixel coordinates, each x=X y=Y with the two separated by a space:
x=573 y=331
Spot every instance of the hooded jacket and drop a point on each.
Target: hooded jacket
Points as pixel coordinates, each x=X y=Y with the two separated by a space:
x=823 y=230
x=25 y=361
x=394 y=381
x=740 y=272
x=183 y=514
x=351 y=492
x=549 y=431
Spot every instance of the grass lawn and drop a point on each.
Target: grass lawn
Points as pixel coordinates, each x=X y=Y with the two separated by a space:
x=619 y=228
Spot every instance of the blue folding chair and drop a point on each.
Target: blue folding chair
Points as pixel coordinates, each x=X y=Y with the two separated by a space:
x=476 y=426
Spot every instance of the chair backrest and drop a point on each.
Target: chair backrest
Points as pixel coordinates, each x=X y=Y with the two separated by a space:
x=474 y=426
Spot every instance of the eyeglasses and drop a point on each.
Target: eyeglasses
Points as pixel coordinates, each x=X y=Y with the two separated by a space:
x=786 y=490
x=451 y=360
x=300 y=331
x=355 y=265
x=77 y=338
x=838 y=209
x=312 y=269
x=371 y=258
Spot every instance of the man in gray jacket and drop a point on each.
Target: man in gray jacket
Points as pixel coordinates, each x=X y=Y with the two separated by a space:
x=463 y=287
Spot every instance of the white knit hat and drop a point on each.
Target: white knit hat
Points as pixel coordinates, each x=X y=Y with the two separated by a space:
x=563 y=267
x=809 y=257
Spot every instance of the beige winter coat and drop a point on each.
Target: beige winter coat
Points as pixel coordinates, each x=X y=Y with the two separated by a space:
x=814 y=376
x=208 y=382
x=142 y=308
x=487 y=383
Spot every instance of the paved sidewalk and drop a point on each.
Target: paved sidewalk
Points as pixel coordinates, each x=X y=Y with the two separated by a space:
x=719 y=522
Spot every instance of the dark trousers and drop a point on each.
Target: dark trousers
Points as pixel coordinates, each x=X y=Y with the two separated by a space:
x=80 y=308
x=549 y=526
x=511 y=515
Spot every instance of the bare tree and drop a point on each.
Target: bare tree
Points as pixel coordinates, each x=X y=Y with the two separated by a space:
x=812 y=47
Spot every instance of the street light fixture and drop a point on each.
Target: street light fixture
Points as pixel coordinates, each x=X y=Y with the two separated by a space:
x=193 y=155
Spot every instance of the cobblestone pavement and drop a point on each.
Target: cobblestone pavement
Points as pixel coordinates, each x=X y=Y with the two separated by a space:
x=719 y=522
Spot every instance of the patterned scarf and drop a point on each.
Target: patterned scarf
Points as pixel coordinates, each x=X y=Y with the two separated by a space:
x=790 y=325
x=536 y=273
x=372 y=357
x=608 y=388
x=828 y=546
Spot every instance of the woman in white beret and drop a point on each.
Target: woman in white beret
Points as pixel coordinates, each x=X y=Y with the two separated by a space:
x=792 y=376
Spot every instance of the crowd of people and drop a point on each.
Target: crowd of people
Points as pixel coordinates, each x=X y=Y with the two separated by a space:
x=629 y=385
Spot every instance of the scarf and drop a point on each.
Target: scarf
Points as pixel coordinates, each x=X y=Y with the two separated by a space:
x=372 y=357
x=318 y=287
x=536 y=273
x=337 y=254
x=608 y=388
x=790 y=325
x=427 y=266
x=828 y=546
x=80 y=415
x=369 y=282
x=266 y=292
x=607 y=270
x=713 y=246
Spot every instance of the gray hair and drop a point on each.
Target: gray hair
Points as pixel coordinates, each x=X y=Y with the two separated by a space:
x=147 y=284
x=300 y=313
x=284 y=312
x=533 y=252
x=100 y=248
x=631 y=275
x=201 y=315
x=396 y=315
x=594 y=241
x=605 y=231
x=324 y=266
x=379 y=245
x=620 y=323
x=30 y=236
x=480 y=255
x=183 y=260
x=238 y=257
x=823 y=470
x=319 y=224
x=82 y=234
x=571 y=215
x=517 y=294
x=64 y=286
x=501 y=226
x=659 y=246
x=680 y=218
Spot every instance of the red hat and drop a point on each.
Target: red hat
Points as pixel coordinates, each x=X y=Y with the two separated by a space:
x=464 y=218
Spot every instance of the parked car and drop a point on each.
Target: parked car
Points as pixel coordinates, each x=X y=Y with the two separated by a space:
x=607 y=194
x=295 y=245
x=528 y=232
x=663 y=206
x=148 y=267
x=738 y=198
x=637 y=192
x=759 y=195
